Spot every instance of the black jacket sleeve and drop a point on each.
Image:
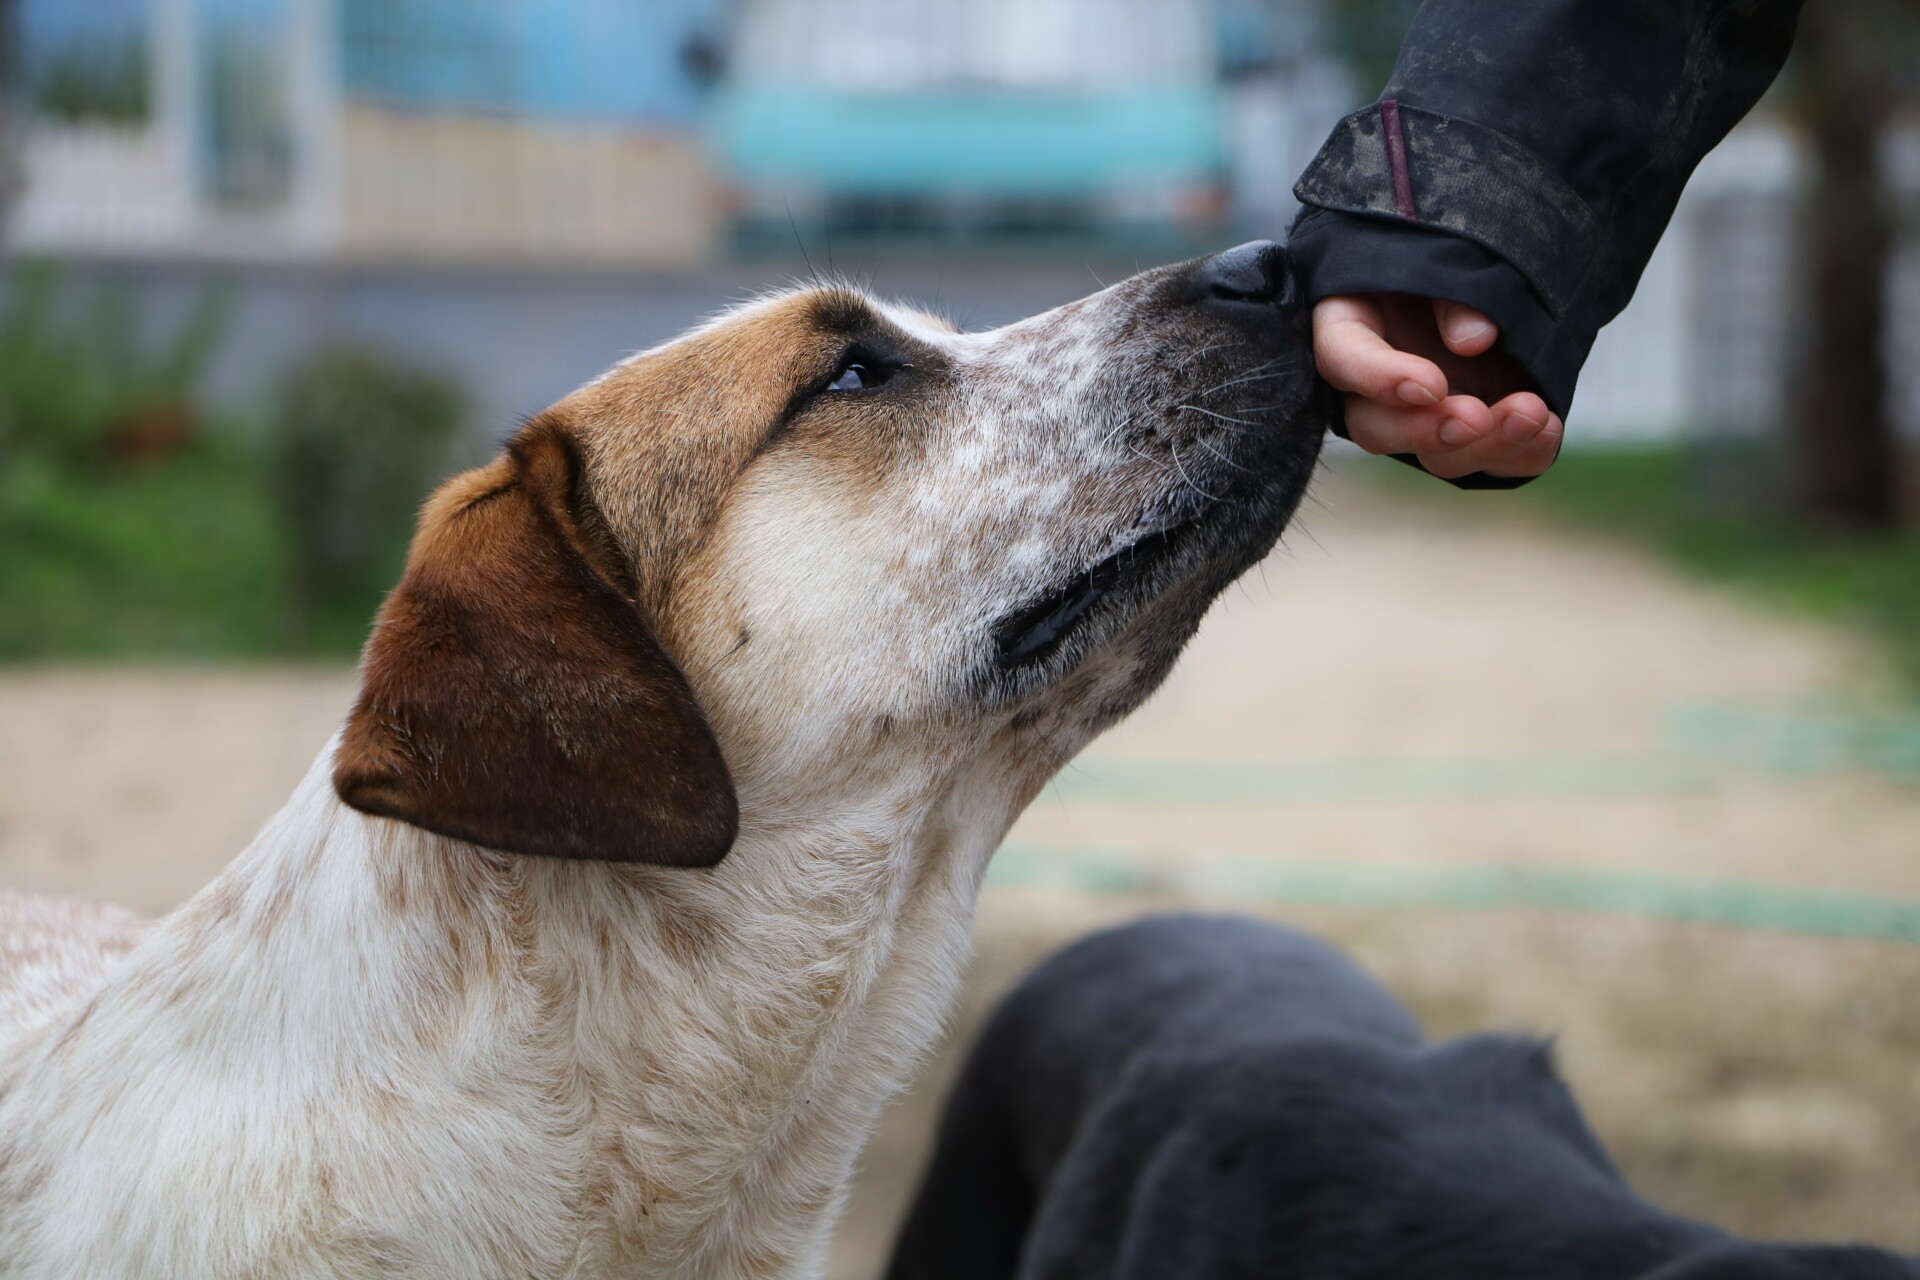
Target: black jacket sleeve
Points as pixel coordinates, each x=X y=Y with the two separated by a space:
x=1526 y=157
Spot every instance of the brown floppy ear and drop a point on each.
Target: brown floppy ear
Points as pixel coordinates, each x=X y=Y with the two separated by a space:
x=512 y=693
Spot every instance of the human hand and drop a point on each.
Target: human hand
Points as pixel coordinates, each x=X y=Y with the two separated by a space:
x=1421 y=377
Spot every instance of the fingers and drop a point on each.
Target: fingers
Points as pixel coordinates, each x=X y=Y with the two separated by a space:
x=1399 y=402
x=1439 y=428
x=1465 y=331
x=1352 y=352
x=1517 y=436
x=1524 y=442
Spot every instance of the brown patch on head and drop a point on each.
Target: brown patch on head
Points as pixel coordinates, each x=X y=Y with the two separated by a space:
x=514 y=695
x=667 y=435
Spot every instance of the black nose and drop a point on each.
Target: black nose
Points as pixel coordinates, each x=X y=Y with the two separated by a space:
x=1255 y=272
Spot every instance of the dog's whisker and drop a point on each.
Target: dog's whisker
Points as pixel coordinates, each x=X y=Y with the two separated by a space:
x=1223 y=457
x=1174 y=447
x=1261 y=373
x=1219 y=417
x=1157 y=463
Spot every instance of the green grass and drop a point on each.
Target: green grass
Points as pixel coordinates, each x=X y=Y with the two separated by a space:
x=1647 y=496
x=133 y=524
x=180 y=558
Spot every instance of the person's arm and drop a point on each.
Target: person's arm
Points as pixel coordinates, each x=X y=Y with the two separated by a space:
x=1523 y=160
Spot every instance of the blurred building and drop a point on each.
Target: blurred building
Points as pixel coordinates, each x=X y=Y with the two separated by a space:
x=997 y=118
x=538 y=130
x=1002 y=115
x=436 y=130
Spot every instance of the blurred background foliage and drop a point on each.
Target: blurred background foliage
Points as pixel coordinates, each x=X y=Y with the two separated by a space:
x=138 y=524
x=84 y=390
x=358 y=439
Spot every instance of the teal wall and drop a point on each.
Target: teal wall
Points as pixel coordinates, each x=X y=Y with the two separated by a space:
x=986 y=142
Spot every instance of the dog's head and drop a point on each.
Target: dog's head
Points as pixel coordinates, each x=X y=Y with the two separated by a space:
x=824 y=545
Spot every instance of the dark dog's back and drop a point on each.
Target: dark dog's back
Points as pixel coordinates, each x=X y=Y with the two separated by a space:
x=1214 y=1097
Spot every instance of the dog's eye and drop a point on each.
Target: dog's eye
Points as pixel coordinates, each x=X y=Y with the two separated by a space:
x=862 y=375
x=852 y=378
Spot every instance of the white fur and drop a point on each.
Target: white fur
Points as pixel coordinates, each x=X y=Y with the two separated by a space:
x=257 y=1091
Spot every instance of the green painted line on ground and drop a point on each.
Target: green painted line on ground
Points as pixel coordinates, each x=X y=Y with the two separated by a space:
x=1811 y=740
x=1704 y=749
x=1541 y=775
x=1734 y=903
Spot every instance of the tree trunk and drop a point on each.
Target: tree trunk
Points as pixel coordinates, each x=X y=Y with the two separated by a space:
x=1843 y=455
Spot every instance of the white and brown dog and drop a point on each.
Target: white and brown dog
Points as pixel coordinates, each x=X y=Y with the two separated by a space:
x=641 y=873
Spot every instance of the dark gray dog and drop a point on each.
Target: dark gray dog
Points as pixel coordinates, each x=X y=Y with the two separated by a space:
x=1205 y=1098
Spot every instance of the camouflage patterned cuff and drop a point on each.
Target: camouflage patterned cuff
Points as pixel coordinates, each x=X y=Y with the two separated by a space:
x=1399 y=162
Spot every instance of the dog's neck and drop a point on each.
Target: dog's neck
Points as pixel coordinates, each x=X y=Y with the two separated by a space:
x=623 y=1069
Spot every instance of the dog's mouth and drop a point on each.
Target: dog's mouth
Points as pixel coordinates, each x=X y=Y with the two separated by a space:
x=1036 y=631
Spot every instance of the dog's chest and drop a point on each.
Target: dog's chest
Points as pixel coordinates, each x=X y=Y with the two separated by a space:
x=696 y=1189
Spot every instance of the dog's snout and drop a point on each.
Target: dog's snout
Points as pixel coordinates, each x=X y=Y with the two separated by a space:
x=1257 y=274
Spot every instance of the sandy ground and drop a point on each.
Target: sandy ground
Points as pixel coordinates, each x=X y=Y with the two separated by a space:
x=1396 y=691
